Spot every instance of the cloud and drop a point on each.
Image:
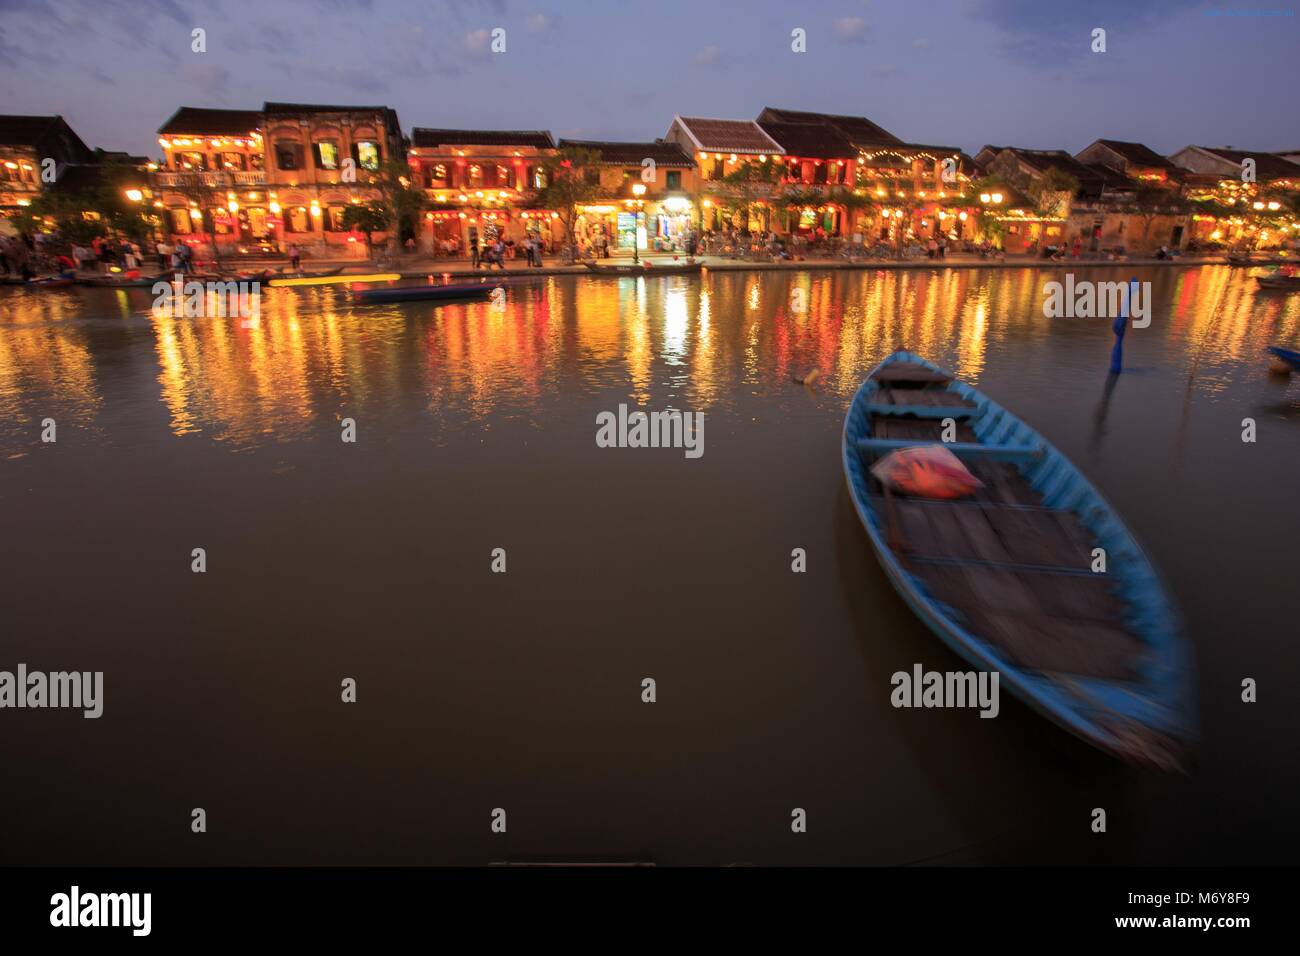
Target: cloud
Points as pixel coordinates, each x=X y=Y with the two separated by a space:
x=921 y=43
x=1046 y=33
x=207 y=76
x=354 y=79
x=886 y=70
x=850 y=29
x=710 y=56
x=541 y=23
x=475 y=43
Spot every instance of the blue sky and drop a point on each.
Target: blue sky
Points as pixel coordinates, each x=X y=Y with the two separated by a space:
x=961 y=72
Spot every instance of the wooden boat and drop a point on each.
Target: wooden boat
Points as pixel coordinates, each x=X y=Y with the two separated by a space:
x=644 y=268
x=112 y=282
x=424 y=293
x=1005 y=577
x=1279 y=283
x=1237 y=259
x=1288 y=357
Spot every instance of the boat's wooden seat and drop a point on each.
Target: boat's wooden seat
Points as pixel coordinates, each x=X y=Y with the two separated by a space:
x=922 y=429
x=926 y=397
x=908 y=372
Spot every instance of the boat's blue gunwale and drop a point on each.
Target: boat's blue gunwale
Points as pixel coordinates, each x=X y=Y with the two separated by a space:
x=1165 y=677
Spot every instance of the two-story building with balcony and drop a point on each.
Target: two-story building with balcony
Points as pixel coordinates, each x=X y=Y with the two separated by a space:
x=212 y=179
x=26 y=142
x=646 y=196
x=907 y=190
x=1244 y=198
x=735 y=170
x=480 y=184
x=319 y=160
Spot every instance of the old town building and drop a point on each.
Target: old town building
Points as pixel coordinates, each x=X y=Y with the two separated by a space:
x=645 y=195
x=480 y=184
x=29 y=145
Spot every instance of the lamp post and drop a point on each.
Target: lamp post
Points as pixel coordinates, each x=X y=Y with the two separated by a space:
x=638 y=190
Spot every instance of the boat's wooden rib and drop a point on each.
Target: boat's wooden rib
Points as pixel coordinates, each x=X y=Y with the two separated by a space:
x=1006 y=577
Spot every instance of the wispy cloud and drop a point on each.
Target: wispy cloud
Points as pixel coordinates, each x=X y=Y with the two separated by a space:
x=850 y=29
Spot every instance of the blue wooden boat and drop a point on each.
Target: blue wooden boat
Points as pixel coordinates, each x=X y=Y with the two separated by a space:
x=425 y=293
x=1006 y=577
x=1289 y=356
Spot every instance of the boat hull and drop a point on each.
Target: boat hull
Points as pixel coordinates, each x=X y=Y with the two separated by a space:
x=675 y=269
x=1149 y=721
x=423 y=293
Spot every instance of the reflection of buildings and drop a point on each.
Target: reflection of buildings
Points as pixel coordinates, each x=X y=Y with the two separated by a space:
x=657 y=217
x=480 y=184
x=279 y=175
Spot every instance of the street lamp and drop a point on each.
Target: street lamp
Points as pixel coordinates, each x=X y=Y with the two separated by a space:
x=638 y=190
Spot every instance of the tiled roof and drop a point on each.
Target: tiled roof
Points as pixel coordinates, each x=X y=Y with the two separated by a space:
x=728 y=136
x=631 y=154
x=1267 y=165
x=819 y=141
x=857 y=129
x=25 y=130
x=278 y=108
x=1138 y=154
x=190 y=119
x=537 y=138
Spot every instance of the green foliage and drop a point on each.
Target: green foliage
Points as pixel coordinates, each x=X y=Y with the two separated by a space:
x=368 y=218
x=567 y=186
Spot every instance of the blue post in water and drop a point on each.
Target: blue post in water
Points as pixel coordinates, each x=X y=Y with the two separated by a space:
x=1119 y=327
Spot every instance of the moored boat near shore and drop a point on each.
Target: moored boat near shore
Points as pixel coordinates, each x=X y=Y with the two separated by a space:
x=1008 y=578
x=425 y=293
x=1279 y=283
x=643 y=268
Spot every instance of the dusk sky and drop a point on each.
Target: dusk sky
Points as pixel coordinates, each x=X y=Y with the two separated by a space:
x=961 y=73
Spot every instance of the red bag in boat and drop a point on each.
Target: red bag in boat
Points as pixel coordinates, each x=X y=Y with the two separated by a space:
x=927 y=471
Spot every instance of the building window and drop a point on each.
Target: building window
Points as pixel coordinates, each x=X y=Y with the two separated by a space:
x=436 y=176
x=592 y=176
x=232 y=161
x=298 y=221
x=181 y=221
x=674 y=179
x=367 y=154
x=333 y=219
x=327 y=154
x=190 y=161
x=288 y=155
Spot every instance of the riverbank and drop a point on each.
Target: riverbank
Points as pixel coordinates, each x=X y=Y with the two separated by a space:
x=421 y=267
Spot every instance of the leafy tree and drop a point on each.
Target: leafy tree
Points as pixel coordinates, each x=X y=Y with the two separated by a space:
x=1053 y=191
x=369 y=218
x=567 y=186
x=400 y=200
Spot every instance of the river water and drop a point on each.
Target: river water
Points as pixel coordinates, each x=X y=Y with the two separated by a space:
x=475 y=430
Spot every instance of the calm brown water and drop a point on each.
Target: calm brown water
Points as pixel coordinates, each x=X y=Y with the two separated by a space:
x=476 y=430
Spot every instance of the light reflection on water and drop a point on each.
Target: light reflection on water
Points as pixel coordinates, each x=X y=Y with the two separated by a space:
x=672 y=342
x=477 y=423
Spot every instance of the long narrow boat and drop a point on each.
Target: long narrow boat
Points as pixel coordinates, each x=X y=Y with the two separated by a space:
x=1279 y=283
x=1006 y=577
x=424 y=293
x=113 y=282
x=644 y=268
x=1288 y=356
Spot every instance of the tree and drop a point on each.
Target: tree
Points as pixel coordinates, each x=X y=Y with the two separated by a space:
x=400 y=200
x=369 y=218
x=199 y=194
x=751 y=187
x=567 y=186
x=1053 y=191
